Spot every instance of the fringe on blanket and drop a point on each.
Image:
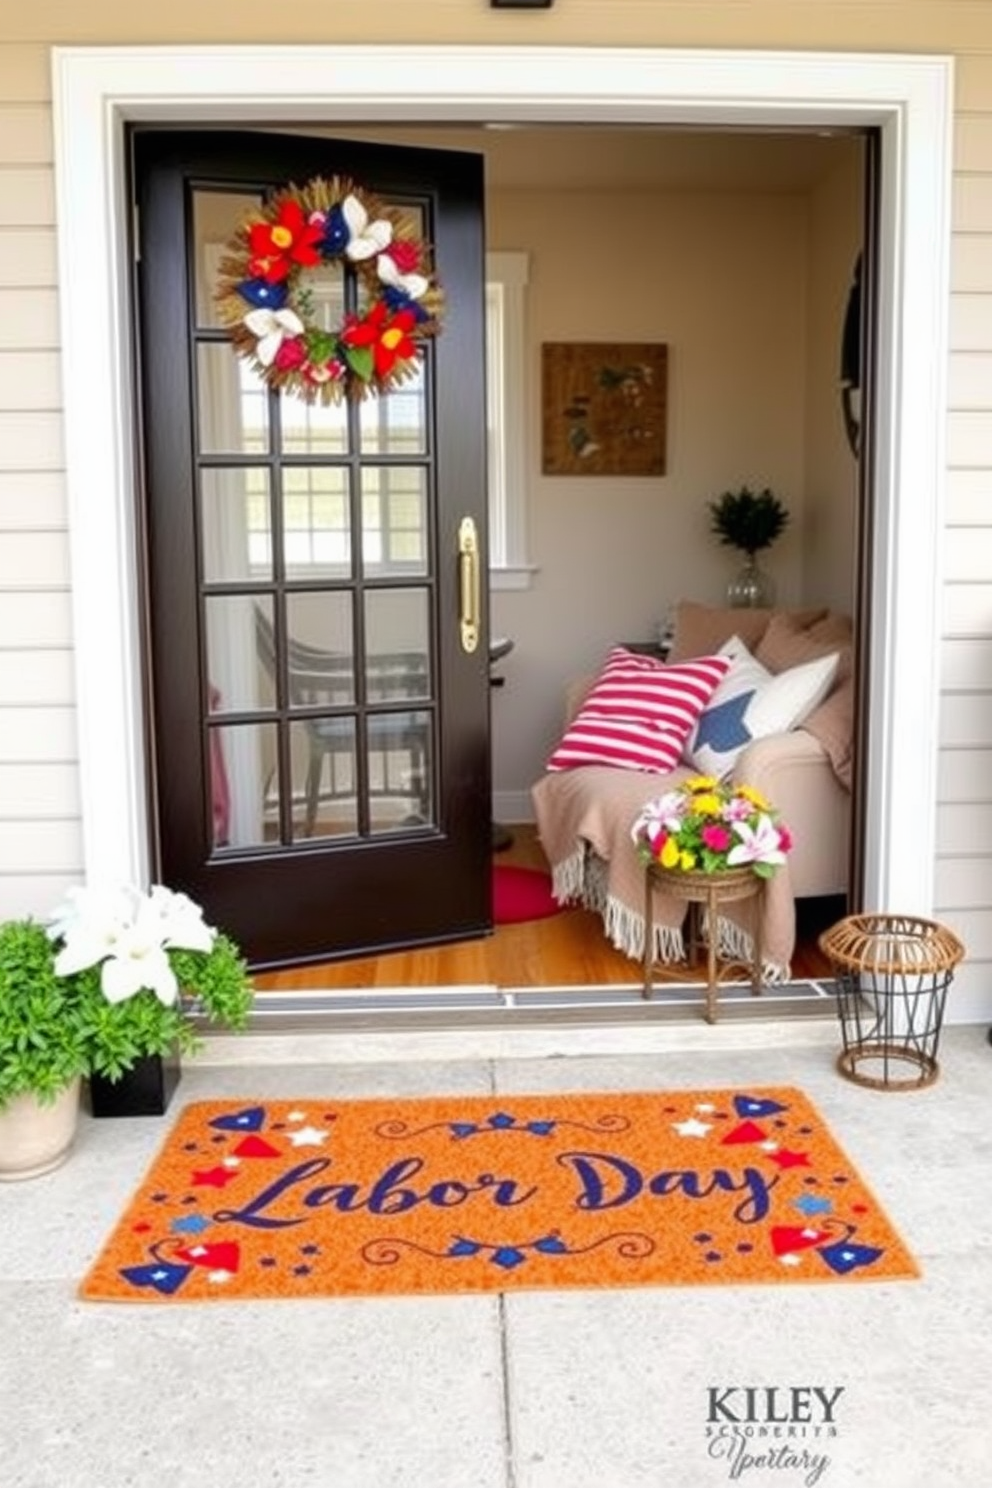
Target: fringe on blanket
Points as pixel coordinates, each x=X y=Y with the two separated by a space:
x=734 y=943
x=581 y=878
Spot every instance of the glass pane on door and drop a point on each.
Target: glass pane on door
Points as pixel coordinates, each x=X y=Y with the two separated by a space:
x=308 y=511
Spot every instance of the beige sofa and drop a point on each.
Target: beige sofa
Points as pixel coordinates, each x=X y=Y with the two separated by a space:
x=583 y=815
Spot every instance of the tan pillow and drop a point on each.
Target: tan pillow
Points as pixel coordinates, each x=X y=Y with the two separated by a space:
x=702 y=629
x=833 y=725
x=786 y=643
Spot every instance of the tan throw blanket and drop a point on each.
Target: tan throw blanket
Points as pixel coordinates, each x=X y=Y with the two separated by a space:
x=584 y=818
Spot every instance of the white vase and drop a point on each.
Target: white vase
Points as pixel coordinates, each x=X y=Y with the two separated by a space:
x=36 y=1138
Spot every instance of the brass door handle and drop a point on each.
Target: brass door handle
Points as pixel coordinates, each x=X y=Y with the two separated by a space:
x=468 y=584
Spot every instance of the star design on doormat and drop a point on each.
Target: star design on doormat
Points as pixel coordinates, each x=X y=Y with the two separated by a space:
x=692 y=1127
x=722 y=727
x=787 y=1159
x=307 y=1136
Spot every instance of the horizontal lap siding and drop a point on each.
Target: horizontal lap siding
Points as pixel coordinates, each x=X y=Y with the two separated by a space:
x=963 y=868
x=40 y=828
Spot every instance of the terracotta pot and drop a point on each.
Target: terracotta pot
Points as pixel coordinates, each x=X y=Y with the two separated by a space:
x=36 y=1138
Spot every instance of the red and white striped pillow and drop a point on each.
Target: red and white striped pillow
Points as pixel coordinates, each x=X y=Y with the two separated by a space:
x=639 y=712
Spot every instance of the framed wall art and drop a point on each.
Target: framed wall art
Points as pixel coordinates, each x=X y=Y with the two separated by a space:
x=603 y=407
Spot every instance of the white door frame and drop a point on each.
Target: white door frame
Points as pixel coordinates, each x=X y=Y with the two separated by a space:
x=909 y=98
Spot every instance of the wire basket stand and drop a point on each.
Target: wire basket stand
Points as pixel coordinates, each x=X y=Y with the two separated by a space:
x=893 y=974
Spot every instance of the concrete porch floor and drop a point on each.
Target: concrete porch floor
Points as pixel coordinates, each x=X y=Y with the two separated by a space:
x=543 y=1389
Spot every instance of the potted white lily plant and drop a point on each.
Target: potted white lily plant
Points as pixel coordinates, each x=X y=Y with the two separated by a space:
x=110 y=989
x=145 y=964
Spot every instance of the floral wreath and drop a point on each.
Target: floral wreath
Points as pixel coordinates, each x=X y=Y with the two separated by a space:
x=264 y=297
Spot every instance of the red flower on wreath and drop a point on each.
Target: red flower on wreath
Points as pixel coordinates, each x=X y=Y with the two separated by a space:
x=277 y=246
x=405 y=255
x=388 y=335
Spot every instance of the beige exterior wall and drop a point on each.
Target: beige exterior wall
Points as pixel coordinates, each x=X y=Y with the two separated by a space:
x=39 y=825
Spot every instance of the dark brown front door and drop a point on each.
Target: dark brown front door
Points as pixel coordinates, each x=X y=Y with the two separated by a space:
x=320 y=731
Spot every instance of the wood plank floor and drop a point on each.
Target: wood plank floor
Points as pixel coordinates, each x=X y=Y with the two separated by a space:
x=568 y=949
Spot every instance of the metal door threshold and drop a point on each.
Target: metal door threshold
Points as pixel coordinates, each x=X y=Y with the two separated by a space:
x=404 y=1009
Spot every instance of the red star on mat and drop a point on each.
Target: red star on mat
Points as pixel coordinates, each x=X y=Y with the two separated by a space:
x=787 y=1159
x=213 y=1177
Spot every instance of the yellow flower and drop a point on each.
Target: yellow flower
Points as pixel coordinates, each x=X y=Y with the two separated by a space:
x=669 y=853
x=687 y=861
x=701 y=783
x=754 y=796
x=706 y=805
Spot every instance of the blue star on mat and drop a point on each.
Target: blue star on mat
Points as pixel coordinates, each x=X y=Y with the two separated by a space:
x=723 y=727
x=190 y=1224
x=810 y=1204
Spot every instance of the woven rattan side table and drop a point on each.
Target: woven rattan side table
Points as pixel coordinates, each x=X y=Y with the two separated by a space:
x=893 y=974
x=705 y=894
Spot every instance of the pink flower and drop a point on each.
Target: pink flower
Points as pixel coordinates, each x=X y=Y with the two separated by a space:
x=757 y=844
x=291 y=354
x=715 y=837
x=784 y=837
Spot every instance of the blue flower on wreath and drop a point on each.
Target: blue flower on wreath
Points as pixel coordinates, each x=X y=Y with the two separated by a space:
x=397 y=300
x=336 y=233
x=262 y=295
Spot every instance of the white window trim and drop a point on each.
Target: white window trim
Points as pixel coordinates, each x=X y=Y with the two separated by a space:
x=506 y=366
x=909 y=98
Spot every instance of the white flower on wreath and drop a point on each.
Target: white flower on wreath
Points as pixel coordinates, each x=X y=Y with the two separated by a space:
x=271 y=328
x=414 y=286
x=366 y=238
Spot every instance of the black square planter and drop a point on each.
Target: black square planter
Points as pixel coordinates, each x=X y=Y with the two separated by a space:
x=143 y=1090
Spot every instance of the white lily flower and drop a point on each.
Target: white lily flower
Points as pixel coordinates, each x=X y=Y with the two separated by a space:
x=138 y=963
x=414 y=286
x=181 y=922
x=758 y=844
x=272 y=327
x=366 y=238
x=96 y=910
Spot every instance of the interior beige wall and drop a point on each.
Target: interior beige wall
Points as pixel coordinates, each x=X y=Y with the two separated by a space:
x=721 y=279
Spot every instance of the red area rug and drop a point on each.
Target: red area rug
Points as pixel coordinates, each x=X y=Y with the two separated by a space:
x=521 y=894
x=325 y=1197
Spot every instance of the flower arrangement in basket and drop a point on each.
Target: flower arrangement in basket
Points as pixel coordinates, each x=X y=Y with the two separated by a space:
x=705 y=826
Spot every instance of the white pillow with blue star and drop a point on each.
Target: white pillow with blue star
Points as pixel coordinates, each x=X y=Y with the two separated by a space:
x=752 y=703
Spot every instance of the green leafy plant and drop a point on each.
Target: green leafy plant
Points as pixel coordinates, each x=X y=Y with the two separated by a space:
x=111 y=979
x=45 y=1026
x=749 y=520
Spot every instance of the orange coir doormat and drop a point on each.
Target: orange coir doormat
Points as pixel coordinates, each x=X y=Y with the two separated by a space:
x=320 y=1198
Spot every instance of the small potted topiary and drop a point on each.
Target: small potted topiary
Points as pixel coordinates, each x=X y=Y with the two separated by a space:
x=45 y=1041
x=750 y=521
